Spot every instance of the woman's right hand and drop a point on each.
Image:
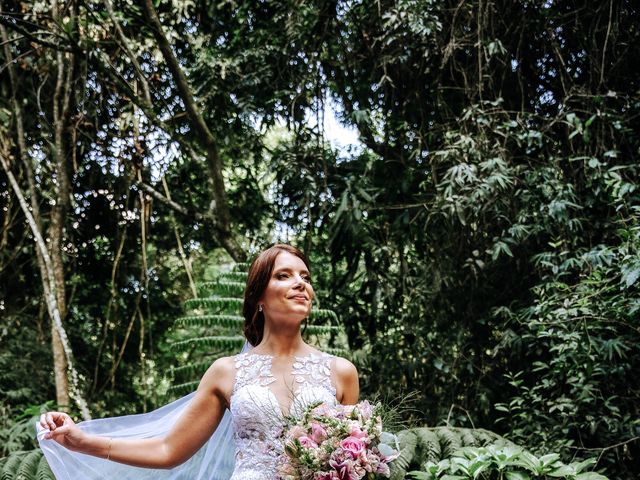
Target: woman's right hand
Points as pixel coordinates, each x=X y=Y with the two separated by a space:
x=63 y=430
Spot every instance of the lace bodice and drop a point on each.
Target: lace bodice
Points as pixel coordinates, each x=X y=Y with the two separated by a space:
x=258 y=419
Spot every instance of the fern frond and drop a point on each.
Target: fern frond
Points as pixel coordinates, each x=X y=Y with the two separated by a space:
x=321 y=329
x=220 y=304
x=323 y=314
x=338 y=352
x=183 y=388
x=44 y=470
x=11 y=466
x=29 y=466
x=191 y=370
x=226 y=343
x=234 y=276
x=450 y=440
x=467 y=437
x=222 y=287
x=408 y=443
x=241 y=268
x=429 y=445
x=227 y=321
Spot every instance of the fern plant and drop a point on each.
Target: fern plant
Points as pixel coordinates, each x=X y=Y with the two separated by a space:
x=25 y=466
x=447 y=453
x=421 y=445
x=212 y=328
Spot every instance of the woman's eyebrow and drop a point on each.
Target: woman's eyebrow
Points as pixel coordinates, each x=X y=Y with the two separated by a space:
x=287 y=269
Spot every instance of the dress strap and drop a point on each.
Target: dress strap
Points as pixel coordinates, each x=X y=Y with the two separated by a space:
x=252 y=369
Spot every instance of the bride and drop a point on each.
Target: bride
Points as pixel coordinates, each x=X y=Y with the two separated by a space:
x=260 y=387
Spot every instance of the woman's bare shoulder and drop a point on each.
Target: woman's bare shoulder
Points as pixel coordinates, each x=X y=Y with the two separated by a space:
x=346 y=380
x=343 y=368
x=220 y=376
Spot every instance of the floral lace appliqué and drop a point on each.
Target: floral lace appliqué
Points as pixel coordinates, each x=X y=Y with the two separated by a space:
x=253 y=369
x=257 y=419
x=314 y=371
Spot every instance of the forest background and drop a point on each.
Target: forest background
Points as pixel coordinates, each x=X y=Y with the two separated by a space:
x=479 y=243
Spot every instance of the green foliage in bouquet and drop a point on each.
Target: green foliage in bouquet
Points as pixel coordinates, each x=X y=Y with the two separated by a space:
x=212 y=328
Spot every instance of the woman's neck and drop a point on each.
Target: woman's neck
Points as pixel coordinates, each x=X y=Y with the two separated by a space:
x=282 y=345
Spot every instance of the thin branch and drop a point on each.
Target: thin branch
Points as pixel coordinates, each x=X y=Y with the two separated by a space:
x=183 y=256
x=606 y=41
x=598 y=449
x=13 y=40
x=167 y=201
x=145 y=208
x=124 y=44
x=23 y=54
x=55 y=46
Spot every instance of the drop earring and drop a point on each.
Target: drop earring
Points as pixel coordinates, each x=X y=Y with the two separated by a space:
x=260 y=307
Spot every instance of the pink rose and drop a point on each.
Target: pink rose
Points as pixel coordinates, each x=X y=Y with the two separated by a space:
x=357 y=432
x=353 y=446
x=307 y=442
x=318 y=433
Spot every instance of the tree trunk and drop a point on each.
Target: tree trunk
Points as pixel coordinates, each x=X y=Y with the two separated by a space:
x=49 y=254
x=219 y=208
x=61 y=104
x=60 y=364
x=48 y=279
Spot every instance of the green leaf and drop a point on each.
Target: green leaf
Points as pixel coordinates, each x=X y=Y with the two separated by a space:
x=590 y=476
x=579 y=466
x=478 y=467
x=421 y=475
x=549 y=459
x=563 y=471
x=517 y=476
x=630 y=273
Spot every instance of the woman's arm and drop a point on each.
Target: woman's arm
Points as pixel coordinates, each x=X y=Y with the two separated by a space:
x=194 y=427
x=347 y=385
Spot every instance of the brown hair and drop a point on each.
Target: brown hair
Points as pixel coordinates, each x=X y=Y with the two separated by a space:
x=257 y=281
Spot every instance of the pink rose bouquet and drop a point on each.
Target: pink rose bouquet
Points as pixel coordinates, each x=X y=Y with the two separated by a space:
x=342 y=442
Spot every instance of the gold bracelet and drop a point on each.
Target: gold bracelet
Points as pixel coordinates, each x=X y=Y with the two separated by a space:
x=109 y=449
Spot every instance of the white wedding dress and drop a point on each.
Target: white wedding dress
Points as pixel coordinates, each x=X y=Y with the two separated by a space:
x=255 y=422
x=257 y=417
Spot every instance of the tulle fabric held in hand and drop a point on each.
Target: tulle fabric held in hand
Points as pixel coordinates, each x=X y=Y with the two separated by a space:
x=214 y=461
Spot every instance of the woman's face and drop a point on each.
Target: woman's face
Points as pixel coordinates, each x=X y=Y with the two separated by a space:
x=289 y=292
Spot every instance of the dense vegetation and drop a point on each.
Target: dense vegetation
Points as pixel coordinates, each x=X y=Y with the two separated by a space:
x=480 y=245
